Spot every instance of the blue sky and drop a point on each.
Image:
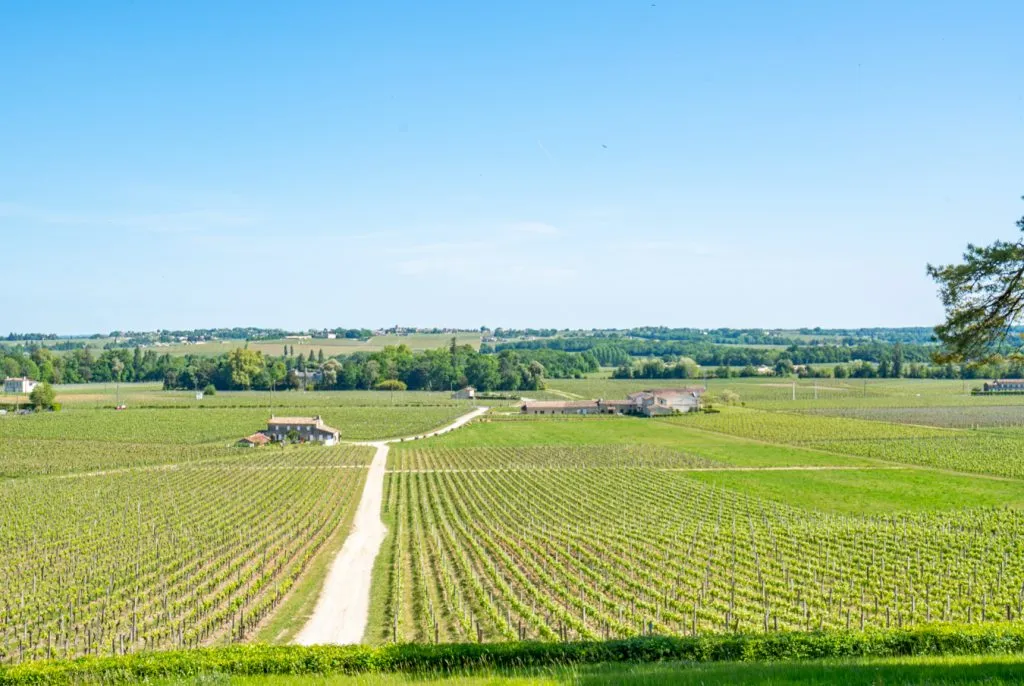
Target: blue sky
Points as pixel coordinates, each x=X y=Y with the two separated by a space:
x=570 y=163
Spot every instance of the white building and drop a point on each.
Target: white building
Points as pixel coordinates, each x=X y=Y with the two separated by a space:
x=467 y=393
x=663 y=401
x=19 y=385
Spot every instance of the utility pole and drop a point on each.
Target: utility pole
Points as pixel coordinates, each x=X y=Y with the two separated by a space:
x=794 y=390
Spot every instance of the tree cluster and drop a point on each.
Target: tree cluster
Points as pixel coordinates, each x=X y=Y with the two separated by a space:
x=393 y=368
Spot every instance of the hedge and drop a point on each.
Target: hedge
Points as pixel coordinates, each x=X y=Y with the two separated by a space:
x=259 y=659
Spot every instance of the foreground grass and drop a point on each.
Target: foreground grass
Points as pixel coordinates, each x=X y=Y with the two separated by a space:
x=937 y=671
x=580 y=662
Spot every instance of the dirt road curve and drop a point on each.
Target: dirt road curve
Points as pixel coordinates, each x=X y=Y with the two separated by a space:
x=343 y=607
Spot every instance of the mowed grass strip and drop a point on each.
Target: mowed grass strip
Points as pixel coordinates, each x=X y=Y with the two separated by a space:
x=871 y=491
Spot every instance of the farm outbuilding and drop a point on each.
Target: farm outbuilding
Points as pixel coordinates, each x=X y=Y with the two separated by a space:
x=255 y=441
x=467 y=393
x=574 y=407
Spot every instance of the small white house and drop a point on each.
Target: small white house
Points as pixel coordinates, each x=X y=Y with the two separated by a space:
x=19 y=385
x=467 y=393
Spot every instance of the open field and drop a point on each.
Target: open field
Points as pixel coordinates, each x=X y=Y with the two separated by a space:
x=553 y=528
x=777 y=393
x=146 y=395
x=330 y=346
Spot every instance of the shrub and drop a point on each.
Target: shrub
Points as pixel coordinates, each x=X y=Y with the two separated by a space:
x=210 y=389
x=42 y=396
x=390 y=385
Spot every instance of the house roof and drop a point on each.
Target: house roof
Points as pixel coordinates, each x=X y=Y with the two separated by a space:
x=257 y=438
x=296 y=420
x=690 y=390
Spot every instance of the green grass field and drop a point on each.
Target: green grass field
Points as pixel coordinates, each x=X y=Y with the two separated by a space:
x=996 y=670
x=330 y=346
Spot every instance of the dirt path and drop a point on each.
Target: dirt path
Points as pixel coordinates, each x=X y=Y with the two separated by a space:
x=343 y=607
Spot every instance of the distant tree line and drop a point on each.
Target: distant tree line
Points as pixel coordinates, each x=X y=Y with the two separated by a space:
x=82 y=365
x=613 y=352
x=393 y=368
x=805 y=336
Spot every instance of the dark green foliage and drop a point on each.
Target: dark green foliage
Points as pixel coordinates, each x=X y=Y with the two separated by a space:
x=390 y=385
x=984 y=299
x=260 y=659
x=43 y=396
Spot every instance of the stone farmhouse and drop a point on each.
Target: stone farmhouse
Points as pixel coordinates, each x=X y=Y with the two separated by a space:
x=655 y=402
x=19 y=385
x=309 y=429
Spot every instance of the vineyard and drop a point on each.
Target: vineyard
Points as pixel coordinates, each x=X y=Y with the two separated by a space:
x=146 y=395
x=950 y=417
x=584 y=554
x=535 y=457
x=26 y=457
x=182 y=556
x=206 y=425
x=984 y=452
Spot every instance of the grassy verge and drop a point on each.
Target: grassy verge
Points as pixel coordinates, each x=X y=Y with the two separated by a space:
x=378 y=612
x=292 y=614
x=931 y=670
x=420 y=659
